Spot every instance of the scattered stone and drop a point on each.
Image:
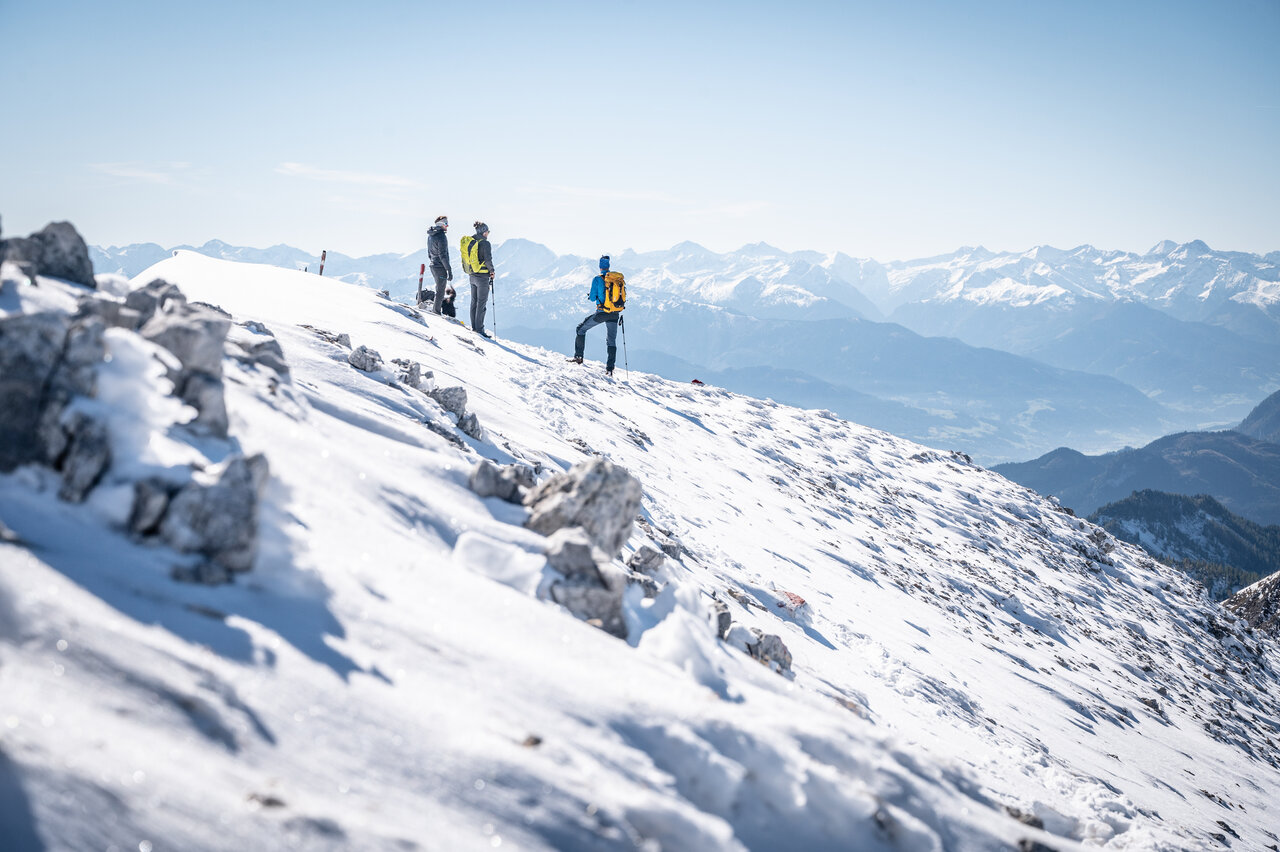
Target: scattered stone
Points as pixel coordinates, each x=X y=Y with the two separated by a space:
x=597 y=495
x=452 y=399
x=469 y=424
x=770 y=650
x=722 y=617
x=532 y=741
x=257 y=327
x=365 y=359
x=219 y=521
x=508 y=482
x=408 y=372
x=343 y=339
x=647 y=560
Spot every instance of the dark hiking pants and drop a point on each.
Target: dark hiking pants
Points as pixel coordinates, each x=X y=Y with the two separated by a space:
x=610 y=320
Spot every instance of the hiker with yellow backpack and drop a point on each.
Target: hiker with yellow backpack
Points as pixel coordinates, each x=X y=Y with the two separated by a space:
x=609 y=292
x=477 y=260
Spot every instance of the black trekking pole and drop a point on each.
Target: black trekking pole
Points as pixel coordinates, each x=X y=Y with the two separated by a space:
x=493 y=294
x=622 y=325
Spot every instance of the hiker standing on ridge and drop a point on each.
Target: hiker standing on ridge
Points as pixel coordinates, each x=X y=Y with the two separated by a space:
x=477 y=259
x=438 y=259
x=609 y=292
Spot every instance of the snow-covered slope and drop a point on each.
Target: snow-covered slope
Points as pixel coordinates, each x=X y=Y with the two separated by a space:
x=972 y=668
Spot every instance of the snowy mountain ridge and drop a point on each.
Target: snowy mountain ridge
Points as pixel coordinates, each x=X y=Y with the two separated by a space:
x=970 y=667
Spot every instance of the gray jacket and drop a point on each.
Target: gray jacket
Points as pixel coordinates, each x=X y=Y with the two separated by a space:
x=438 y=249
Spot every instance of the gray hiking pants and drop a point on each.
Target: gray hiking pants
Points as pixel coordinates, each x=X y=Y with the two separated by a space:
x=442 y=278
x=479 y=300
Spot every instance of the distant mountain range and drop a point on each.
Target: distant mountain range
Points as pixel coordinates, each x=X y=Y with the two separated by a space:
x=1263 y=422
x=1097 y=349
x=1242 y=473
x=1222 y=550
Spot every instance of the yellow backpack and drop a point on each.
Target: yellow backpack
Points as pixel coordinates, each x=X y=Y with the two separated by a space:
x=471 y=255
x=615 y=292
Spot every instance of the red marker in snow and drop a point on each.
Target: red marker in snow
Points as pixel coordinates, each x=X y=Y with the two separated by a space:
x=322 y=254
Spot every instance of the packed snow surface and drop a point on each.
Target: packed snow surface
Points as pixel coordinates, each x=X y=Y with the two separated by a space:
x=972 y=669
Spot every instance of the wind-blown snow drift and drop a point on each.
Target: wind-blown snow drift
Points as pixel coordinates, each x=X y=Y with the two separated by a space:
x=972 y=668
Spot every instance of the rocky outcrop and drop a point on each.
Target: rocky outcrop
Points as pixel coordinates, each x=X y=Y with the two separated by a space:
x=49 y=363
x=597 y=495
x=46 y=360
x=196 y=334
x=56 y=251
x=1259 y=605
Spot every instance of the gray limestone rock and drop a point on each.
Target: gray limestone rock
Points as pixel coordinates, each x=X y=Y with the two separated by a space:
x=57 y=251
x=30 y=349
x=723 y=619
x=770 y=650
x=87 y=456
x=219 y=521
x=506 y=482
x=152 y=298
x=365 y=359
x=408 y=372
x=597 y=495
x=195 y=334
x=469 y=424
x=453 y=399
x=63 y=254
x=268 y=353
x=112 y=313
x=207 y=395
x=150 y=500
x=647 y=560
x=589 y=590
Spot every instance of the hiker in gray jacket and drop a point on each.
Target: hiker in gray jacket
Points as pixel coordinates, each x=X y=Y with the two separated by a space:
x=481 y=277
x=438 y=260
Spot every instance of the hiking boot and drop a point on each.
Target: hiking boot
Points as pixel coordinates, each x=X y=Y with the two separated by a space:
x=609 y=372
x=576 y=359
x=482 y=333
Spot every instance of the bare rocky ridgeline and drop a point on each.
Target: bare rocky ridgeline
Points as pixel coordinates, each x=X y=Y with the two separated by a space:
x=1259 y=605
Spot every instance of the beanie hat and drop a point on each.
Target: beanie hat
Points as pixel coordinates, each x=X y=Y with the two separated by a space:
x=604 y=261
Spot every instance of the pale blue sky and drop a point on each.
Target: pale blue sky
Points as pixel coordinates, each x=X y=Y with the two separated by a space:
x=887 y=130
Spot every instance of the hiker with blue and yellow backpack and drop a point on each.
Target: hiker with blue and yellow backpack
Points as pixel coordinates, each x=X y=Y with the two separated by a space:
x=477 y=260
x=609 y=292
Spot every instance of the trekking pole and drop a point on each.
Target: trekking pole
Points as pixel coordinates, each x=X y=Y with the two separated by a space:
x=493 y=294
x=622 y=325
